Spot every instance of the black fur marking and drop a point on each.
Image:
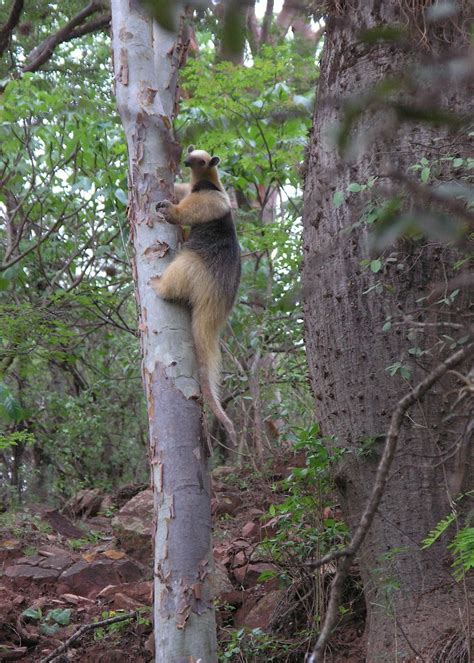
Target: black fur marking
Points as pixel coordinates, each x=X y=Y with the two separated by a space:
x=217 y=245
x=204 y=185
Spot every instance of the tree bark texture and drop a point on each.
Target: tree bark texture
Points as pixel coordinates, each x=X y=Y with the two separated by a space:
x=412 y=599
x=146 y=61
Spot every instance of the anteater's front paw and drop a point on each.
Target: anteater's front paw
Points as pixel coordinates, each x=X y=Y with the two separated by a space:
x=165 y=210
x=164 y=204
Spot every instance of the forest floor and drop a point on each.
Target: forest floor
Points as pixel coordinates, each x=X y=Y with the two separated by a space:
x=60 y=570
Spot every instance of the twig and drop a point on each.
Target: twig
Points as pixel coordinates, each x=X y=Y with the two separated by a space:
x=381 y=477
x=88 y=627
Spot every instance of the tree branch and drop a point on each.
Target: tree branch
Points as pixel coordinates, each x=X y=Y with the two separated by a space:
x=42 y=239
x=44 y=51
x=380 y=482
x=12 y=21
x=93 y=25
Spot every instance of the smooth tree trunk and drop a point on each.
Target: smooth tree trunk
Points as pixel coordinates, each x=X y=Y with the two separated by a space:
x=413 y=603
x=146 y=61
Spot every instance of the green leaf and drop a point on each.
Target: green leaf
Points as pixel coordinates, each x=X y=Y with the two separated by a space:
x=425 y=174
x=32 y=613
x=405 y=372
x=49 y=629
x=437 y=531
x=338 y=199
x=375 y=266
x=354 y=187
x=60 y=616
x=10 y=408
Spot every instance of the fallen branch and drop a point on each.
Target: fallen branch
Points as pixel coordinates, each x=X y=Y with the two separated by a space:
x=84 y=629
x=381 y=478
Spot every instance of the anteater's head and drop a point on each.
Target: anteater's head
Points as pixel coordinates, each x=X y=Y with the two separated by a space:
x=200 y=162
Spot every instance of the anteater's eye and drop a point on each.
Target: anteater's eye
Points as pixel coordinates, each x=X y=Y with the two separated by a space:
x=202 y=162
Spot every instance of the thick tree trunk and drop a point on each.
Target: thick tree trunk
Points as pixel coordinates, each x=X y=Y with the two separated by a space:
x=412 y=599
x=146 y=61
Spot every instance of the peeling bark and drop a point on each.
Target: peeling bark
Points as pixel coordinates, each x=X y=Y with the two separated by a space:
x=146 y=62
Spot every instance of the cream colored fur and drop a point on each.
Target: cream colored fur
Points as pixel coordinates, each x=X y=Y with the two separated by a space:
x=199 y=207
x=188 y=279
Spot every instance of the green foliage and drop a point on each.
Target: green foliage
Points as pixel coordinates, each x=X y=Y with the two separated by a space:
x=117 y=628
x=11 y=410
x=439 y=530
x=67 y=314
x=401 y=368
x=256 y=118
x=302 y=533
x=461 y=545
x=51 y=622
x=17 y=437
x=251 y=645
x=462 y=548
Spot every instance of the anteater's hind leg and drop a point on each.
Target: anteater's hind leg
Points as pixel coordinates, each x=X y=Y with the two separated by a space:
x=176 y=282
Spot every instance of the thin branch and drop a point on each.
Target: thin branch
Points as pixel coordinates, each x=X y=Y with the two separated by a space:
x=12 y=21
x=380 y=482
x=44 y=51
x=42 y=239
x=84 y=629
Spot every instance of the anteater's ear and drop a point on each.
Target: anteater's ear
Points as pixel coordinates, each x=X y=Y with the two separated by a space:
x=214 y=161
x=190 y=149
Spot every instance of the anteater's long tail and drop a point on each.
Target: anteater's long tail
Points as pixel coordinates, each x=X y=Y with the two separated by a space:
x=206 y=326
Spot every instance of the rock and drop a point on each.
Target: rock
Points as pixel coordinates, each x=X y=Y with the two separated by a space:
x=223 y=553
x=108 y=504
x=23 y=572
x=220 y=581
x=125 y=493
x=87 y=579
x=74 y=599
x=222 y=471
x=50 y=551
x=99 y=523
x=140 y=592
x=234 y=598
x=86 y=502
x=247 y=574
x=261 y=615
x=38 y=568
x=9 y=549
x=150 y=646
x=254 y=571
x=226 y=504
x=218 y=486
x=133 y=525
x=251 y=530
x=62 y=525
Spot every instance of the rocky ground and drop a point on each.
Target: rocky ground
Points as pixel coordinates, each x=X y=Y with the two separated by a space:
x=92 y=561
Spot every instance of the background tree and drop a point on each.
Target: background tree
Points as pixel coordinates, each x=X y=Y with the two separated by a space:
x=378 y=321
